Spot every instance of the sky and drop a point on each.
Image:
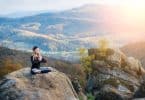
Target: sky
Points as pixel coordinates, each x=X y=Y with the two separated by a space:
x=13 y=6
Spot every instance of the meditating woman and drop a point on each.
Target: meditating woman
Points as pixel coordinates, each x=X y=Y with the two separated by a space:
x=36 y=60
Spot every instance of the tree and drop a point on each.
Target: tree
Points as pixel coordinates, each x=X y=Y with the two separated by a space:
x=86 y=61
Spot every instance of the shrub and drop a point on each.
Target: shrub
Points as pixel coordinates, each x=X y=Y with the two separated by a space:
x=9 y=66
x=86 y=61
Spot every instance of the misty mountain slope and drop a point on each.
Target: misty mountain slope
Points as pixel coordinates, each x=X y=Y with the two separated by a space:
x=73 y=29
x=136 y=50
x=70 y=28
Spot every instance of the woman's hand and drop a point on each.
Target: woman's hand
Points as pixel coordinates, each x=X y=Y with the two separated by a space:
x=39 y=56
x=35 y=56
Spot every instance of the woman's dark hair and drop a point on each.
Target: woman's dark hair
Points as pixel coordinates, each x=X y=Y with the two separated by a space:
x=35 y=47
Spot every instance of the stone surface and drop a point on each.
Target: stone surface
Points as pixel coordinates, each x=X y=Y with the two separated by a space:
x=115 y=76
x=21 y=85
x=140 y=93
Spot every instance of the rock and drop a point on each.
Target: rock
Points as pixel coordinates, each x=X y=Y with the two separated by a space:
x=123 y=89
x=135 y=65
x=110 y=93
x=124 y=83
x=115 y=77
x=114 y=60
x=21 y=85
x=140 y=93
x=98 y=64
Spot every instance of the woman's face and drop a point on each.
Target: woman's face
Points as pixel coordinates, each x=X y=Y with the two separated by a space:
x=37 y=51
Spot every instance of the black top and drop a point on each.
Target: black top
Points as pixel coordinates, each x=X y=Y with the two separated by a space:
x=36 y=62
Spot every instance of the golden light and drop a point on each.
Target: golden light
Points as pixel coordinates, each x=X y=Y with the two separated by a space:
x=126 y=20
x=135 y=10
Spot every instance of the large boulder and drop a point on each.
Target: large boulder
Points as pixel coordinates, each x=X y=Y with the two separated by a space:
x=115 y=76
x=110 y=93
x=21 y=85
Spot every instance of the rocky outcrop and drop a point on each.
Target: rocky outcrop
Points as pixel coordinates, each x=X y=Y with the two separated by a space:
x=115 y=76
x=21 y=85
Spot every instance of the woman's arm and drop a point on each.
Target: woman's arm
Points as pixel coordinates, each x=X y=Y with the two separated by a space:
x=41 y=59
x=33 y=61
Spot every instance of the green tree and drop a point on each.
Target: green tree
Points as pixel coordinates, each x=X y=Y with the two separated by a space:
x=86 y=61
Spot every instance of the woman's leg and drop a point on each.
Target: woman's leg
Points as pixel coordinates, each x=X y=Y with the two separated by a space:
x=45 y=69
x=35 y=71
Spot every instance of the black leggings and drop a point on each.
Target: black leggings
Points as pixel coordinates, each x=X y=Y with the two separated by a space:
x=40 y=70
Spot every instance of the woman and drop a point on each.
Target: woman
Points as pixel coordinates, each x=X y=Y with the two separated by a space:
x=36 y=60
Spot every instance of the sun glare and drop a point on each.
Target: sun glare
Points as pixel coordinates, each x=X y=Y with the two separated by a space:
x=135 y=9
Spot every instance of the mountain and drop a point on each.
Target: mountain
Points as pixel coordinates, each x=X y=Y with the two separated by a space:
x=59 y=31
x=52 y=32
x=61 y=34
x=136 y=50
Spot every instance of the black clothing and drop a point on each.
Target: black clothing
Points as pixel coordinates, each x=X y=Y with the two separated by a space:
x=36 y=63
x=45 y=71
x=42 y=71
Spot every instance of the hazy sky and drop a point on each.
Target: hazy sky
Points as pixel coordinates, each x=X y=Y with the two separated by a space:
x=11 y=6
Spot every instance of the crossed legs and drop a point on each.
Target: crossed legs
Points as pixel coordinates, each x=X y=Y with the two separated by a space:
x=41 y=70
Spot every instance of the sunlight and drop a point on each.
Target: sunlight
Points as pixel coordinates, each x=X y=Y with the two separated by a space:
x=135 y=10
x=126 y=22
